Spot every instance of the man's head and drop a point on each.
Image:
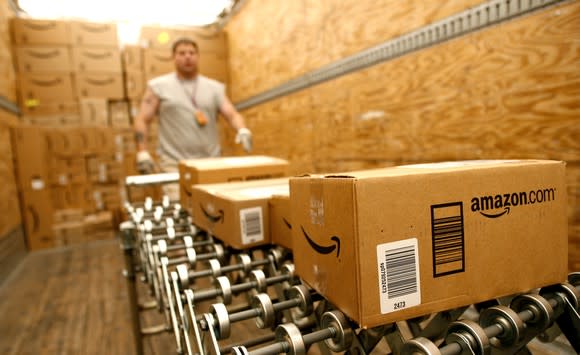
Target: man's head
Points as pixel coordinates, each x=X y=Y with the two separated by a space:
x=186 y=57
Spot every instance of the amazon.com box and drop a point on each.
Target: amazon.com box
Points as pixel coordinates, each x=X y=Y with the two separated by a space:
x=226 y=169
x=391 y=244
x=280 y=220
x=237 y=213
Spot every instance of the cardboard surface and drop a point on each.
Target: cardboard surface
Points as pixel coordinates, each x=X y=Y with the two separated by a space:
x=46 y=32
x=96 y=59
x=42 y=59
x=281 y=220
x=39 y=88
x=37 y=214
x=30 y=147
x=237 y=213
x=103 y=85
x=135 y=85
x=94 y=111
x=93 y=34
x=157 y=62
x=132 y=58
x=47 y=108
x=226 y=169
x=396 y=243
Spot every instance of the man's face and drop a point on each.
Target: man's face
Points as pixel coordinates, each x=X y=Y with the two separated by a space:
x=186 y=59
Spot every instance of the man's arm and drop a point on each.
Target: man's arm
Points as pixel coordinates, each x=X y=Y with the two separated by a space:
x=243 y=135
x=233 y=117
x=147 y=111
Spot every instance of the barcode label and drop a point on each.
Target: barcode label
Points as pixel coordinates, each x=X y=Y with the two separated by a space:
x=251 y=223
x=399 y=283
x=447 y=238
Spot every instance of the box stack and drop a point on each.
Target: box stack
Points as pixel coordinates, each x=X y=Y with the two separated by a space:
x=61 y=170
x=157 y=58
x=7 y=71
x=44 y=64
x=68 y=227
x=96 y=60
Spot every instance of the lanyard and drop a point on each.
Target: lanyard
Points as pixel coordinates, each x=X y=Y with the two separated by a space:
x=194 y=91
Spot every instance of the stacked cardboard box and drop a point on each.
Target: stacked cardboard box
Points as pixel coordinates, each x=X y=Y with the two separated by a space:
x=45 y=71
x=68 y=227
x=157 y=57
x=64 y=169
x=7 y=70
x=96 y=60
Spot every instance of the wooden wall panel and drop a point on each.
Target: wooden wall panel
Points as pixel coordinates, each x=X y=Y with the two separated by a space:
x=270 y=42
x=7 y=70
x=509 y=91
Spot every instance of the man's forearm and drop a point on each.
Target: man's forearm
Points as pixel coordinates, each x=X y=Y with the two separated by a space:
x=141 y=134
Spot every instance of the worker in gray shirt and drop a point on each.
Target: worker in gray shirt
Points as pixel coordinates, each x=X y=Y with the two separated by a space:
x=187 y=104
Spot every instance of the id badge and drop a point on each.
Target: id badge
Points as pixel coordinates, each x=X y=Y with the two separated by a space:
x=200 y=118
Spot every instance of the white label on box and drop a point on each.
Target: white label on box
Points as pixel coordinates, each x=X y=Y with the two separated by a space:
x=37 y=184
x=251 y=225
x=399 y=284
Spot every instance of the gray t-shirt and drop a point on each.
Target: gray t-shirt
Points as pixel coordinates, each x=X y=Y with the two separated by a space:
x=180 y=136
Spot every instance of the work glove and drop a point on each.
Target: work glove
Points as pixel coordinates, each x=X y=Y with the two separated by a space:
x=244 y=137
x=145 y=163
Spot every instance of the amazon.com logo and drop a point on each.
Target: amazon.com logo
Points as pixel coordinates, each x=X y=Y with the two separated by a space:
x=494 y=206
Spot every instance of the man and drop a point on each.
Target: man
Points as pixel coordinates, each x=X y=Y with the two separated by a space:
x=188 y=104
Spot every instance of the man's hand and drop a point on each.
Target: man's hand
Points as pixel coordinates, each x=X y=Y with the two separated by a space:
x=145 y=163
x=244 y=137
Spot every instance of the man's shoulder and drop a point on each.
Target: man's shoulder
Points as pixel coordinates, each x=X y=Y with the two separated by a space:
x=163 y=79
x=210 y=82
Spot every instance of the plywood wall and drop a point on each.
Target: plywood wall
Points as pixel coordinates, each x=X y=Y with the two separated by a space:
x=509 y=91
x=284 y=39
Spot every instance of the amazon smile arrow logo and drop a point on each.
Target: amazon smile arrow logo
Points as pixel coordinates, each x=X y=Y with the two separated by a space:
x=212 y=218
x=490 y=215
x=321 y=249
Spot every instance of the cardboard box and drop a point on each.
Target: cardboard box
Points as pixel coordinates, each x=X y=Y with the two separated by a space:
x=67 y=170
x=157 y=62
x=96 y=59
x=132 y=58
x=208 y=41
x=44 y=59
x=37 y=89
x=103 y=85
x=94 y=34
x=134 y=85
x=237 y=213
x=53 y=121
x=37 y=214
x=392 y=244
x=68 y=233
x=46 y=32
x=119 y=114
x=158 y=37
x=226 y=169
x=65 y=142
x=30 y=147
x=94 y=111
x=281 y=220
x=47 y=108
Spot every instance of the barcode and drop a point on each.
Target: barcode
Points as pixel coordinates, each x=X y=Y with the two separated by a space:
x=251 y=225
x=401 y=272
x=398 y=267
x=447 y=238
